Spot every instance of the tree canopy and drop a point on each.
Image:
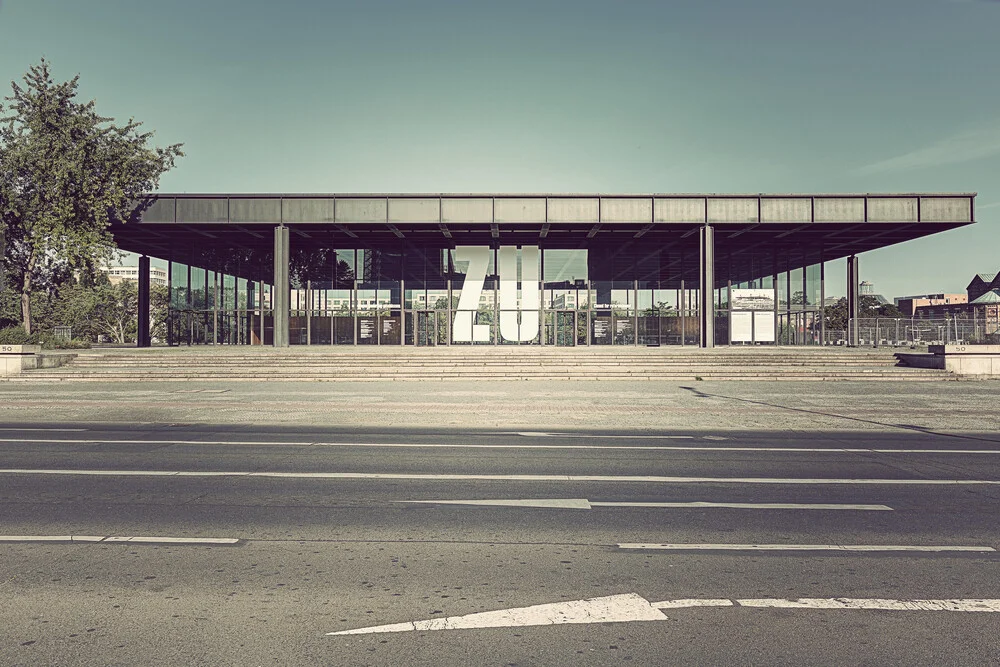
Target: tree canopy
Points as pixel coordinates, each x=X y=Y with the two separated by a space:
x=837 y=315
x=66 y=173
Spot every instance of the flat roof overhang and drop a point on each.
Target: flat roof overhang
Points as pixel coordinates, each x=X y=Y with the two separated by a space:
x=812 y=227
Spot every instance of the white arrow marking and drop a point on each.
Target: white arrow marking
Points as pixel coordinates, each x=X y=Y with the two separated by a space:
x=632 y=607
x=584 y=504
x=614 y=608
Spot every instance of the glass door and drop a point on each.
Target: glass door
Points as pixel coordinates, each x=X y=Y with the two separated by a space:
x=426 y=330
x=561 y=328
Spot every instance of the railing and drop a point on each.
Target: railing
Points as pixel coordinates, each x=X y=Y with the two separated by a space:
x=899 y=332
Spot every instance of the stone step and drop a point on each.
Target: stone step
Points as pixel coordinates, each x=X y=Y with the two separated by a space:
x=477 y=373
x=354 y=364
x=812 y=377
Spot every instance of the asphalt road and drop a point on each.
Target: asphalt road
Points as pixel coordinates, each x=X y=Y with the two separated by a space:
x=344 y=527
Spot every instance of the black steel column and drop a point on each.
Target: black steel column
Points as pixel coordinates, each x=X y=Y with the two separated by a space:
x=280 y=293
x=822 y=302
x=706 y=287
x=142 y=337
x=852 y=301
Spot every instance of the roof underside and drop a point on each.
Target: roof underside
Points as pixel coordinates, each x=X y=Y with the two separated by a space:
x=805 y=228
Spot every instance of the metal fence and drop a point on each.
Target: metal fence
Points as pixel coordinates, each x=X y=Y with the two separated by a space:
x=893 y=332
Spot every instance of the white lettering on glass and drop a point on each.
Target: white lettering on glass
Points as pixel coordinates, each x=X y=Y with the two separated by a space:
x=519 y=322
x=463 y=330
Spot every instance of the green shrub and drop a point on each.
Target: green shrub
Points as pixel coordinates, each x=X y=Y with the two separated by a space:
x=75 y=344
x=13 y=336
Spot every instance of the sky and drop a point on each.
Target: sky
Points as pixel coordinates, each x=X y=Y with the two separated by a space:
x=450 y=96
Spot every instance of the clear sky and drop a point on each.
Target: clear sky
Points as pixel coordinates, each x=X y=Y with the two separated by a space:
x=543 y=96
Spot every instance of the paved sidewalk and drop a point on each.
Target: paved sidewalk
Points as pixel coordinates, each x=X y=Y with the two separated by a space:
x=536 y=405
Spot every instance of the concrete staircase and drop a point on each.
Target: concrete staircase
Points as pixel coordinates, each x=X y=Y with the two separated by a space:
x=360 y=364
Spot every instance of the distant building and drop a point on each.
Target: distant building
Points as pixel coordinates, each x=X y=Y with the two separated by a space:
x=118 y=274
x=908 y=304
x=981 y=304
x=981 y=284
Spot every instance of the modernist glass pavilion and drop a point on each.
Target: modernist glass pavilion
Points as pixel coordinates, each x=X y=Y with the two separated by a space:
x=514 y=269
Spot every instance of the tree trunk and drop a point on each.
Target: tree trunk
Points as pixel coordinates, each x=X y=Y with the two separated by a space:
x=26 y=294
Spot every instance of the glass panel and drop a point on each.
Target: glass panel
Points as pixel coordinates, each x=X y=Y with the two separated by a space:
x=564 y=266
x=564 y=299
x=390 y=328
x=211 y=290
x=617 y=295
x=229 y=292
x=178 y=286
x=243 y=294
x=199 y=299
x=320 y=330
x=367 y=329
x=812 y=285
x=782 y=279
x=796 y=289
x=367 y=299
x=624 y=329
x=601 y=328
x=388 y=296
x=343 y=330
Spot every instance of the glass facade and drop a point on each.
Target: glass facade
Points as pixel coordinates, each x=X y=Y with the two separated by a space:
x=517 y=269
x=415 y=295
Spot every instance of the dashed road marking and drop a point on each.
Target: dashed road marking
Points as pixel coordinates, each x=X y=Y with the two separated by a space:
x=584 y=504
x=120 y=539
x=48 y=430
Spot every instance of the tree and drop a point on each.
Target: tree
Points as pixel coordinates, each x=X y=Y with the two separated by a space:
x=868 y=307
x=65 y=174
x=837 y=315
x=109 y=310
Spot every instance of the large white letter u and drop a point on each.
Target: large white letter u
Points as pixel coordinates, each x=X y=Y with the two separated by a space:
x=511 y=328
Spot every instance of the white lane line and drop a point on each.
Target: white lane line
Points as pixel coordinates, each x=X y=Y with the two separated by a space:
x=630 y=607
x=412 y=445
x=131 y=539
x=548 y=503
x=584 y=504
x=750 y=506
x=685 y=604
x=650 y=479
x=543 y=434
x=48 y=430
x=50 y=538
x=970 y=605
x=175 y=540
x=809 y=547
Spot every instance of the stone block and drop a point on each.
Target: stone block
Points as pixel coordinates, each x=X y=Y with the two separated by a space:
x=17 y=358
